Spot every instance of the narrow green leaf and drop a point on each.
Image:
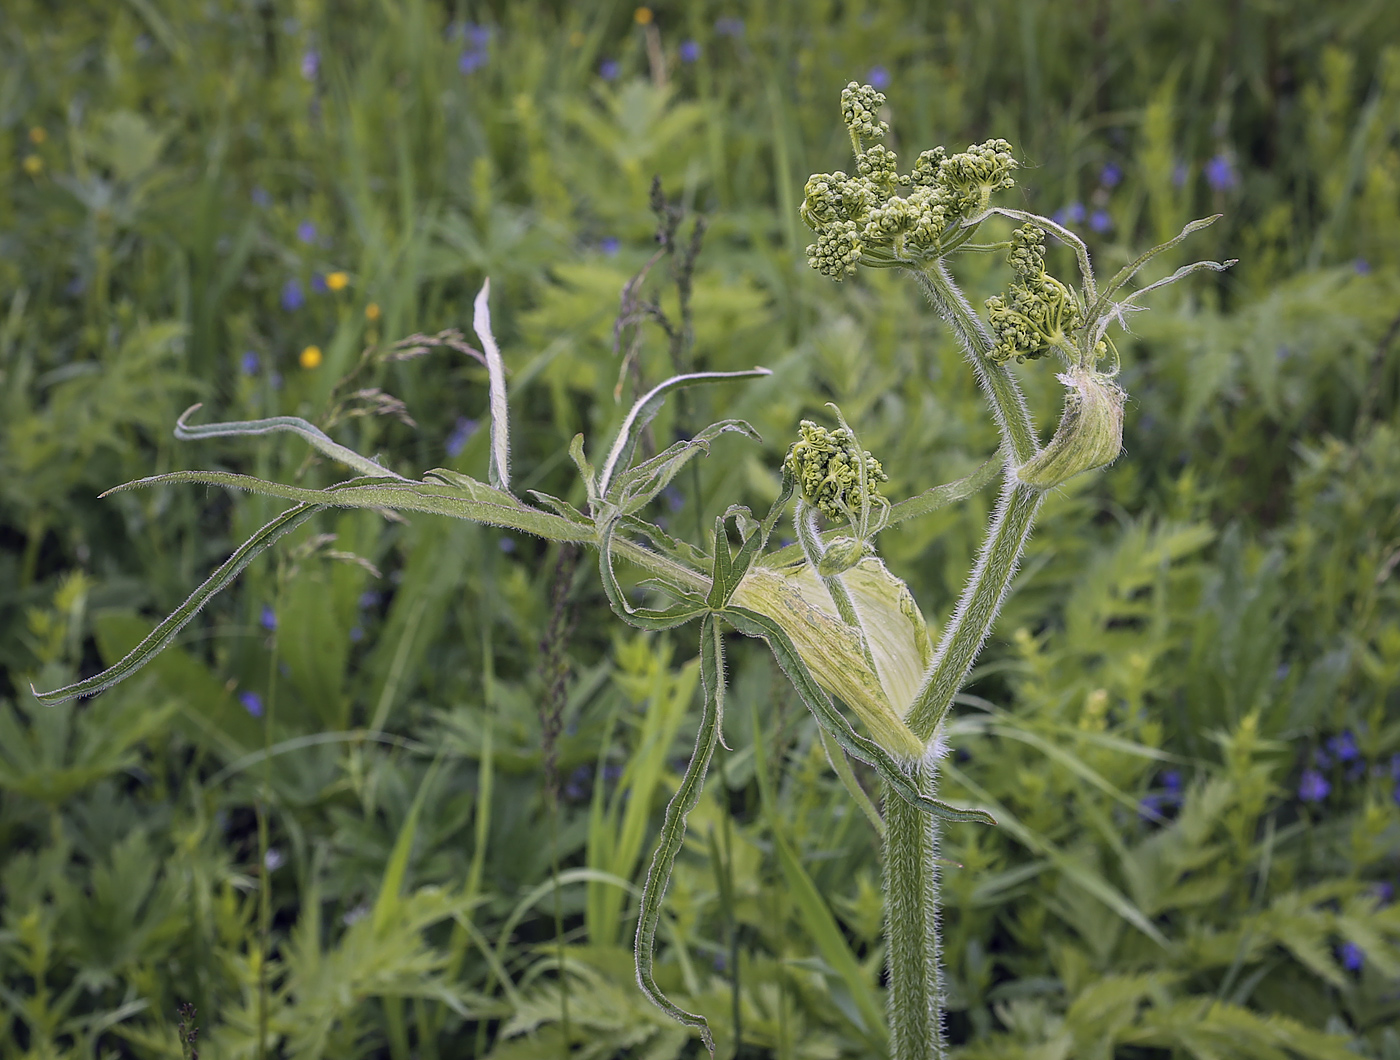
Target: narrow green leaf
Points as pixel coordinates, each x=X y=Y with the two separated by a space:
x=639 y=485
x=722 y=583
x=1127 y=272
x=1115 y=310
x=645 y=410
x=476 y=502
x=391 y=884
x=585 y=470
x=689 y=608
x=296 y=425
x=164 y=633
x=673 y=828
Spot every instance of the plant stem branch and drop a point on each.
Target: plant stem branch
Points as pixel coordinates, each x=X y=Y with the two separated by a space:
x=911 y=926
x=1009 y=407
x=977 y=608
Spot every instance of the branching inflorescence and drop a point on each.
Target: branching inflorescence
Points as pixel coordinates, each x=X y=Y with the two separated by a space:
x=844 y=629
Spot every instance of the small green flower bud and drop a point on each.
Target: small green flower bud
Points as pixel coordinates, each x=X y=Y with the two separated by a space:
x=974 y=174
x=878 y=165
x=1037 y=314
x=836 y=251
x=860 y=109
x=841 y=555
x=825 y=464
x=1090 y=433
x=927 y=167
x=1027 y=256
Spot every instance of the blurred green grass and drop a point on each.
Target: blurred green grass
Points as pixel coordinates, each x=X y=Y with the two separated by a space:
x=1187 y=719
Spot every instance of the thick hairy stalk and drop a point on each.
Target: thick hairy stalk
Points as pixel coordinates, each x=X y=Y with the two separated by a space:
x=1009 y=407
x=977 y=608
x=911 y=926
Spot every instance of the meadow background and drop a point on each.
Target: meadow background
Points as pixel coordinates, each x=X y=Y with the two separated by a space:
x=390 y=795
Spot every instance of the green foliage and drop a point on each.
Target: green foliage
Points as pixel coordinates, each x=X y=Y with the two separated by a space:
x=1184 y=723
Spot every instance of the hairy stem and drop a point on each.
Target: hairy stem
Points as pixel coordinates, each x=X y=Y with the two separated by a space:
x=1009 y=407
x=911 y=925
x=977 y=608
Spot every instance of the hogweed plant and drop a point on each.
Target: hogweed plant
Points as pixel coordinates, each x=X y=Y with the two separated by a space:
x=844 y=630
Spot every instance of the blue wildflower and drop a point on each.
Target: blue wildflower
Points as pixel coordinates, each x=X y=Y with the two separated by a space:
x=471 y=60
x=480 y=36
x=878 y=77
x=356 y=634
x=1283 y=671
x=507 y=545
x=292 y=297
x=1220 y=173
x=1150 y=806
x=1179 y=175
x=1362 y=266
x=609 y=245
x=729 y=27
x=261 y=197
x=310 y=64
x=690 y=51
x=252 y=703
x=369 y=599
x=306 y=232
x=318 y=283
x=1343 y=746
x=457 y=440
x=675 y=499
x=1395 y=767
x=1111 y=175
x=1351 y=955
x=1075 y=213
x=1313 y=786
x=249 y=364
x=608 y=69
x=1099 y=221
x=1171 y=780
x=268 y=618
x=274 y=859
x=1384 y=892
x=276 y=380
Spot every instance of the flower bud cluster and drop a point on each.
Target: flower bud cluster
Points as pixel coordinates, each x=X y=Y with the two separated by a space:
x=860 y=110
x=826 y=465
x=1038 y=312
x=883 y=218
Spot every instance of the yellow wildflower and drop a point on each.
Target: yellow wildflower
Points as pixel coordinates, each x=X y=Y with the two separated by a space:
x=38 y=135
x=33 y=165
x=642 y=15
x=311 y=357
x=337 y=281
x=372 y=311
